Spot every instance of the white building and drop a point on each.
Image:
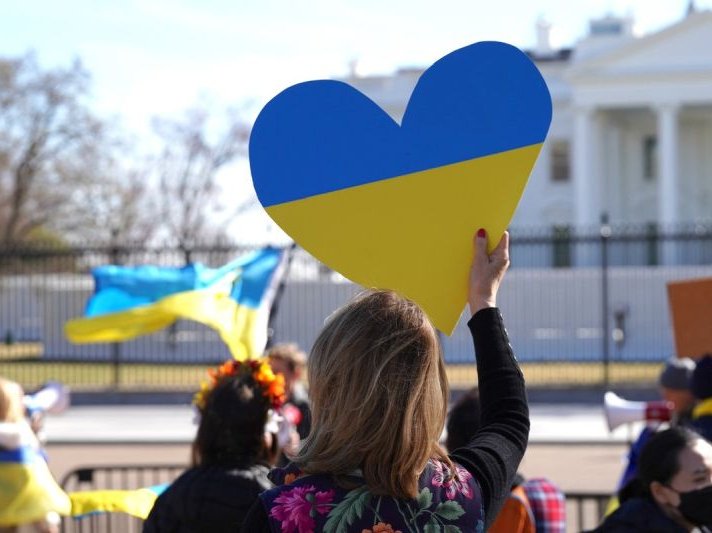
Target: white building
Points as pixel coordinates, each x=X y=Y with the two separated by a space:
x=631 y=135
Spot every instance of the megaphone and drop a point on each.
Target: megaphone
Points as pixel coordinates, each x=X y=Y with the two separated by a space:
x=53 y=398
x=619 y=411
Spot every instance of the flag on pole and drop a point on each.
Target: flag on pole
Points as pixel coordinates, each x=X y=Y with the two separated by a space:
x=28 y=492
x=137 y=502
x=235 y=300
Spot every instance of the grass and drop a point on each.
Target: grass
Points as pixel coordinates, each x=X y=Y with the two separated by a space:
x=155 y=377
x=104 y=376
x=557 y=374
x=21 y=350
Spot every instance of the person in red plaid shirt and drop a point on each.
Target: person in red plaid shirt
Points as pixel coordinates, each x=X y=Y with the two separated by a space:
x=534 y=504
x=548 y=504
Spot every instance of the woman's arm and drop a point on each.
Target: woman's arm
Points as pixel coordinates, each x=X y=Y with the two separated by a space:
x=496 y=450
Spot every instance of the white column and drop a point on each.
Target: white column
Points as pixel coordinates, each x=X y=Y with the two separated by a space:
x=586 y=186
x=616 y=188
x=668 y=179
x=582 y=170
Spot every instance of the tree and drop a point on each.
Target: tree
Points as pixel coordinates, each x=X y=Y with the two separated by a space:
x=65 y=172
x=194 y=152
x=46 y=133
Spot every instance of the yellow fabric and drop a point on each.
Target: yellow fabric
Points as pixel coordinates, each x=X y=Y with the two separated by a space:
x=413 y=233
x=28 y=492
x=704 y=408
x=212 y=306
x=134 y=502
x=613 y=504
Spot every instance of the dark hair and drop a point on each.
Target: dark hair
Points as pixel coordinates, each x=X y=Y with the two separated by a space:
x=232 y=425
x=659 y=460
x=463 y=421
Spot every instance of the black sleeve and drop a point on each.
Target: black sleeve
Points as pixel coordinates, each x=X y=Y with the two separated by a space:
x=494 y=453
x=256 y=520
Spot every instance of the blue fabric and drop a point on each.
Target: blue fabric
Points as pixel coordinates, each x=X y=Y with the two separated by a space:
x=119 y=288
x=480 y=100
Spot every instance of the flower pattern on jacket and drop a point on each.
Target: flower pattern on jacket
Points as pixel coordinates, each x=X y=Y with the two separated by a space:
x=297 y=508
x=455 y=483
x=304 y=503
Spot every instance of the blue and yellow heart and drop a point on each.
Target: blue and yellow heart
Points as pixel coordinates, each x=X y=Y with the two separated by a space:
x=396 y=206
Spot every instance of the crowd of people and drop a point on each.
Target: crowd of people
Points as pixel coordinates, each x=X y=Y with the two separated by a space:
x=366 y=449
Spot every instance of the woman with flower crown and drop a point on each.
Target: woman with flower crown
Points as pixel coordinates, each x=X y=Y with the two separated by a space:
x=379 y=393
x=235 y=446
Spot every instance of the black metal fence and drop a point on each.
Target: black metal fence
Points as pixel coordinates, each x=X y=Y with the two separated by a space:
x=114 y=477
x=582 y=308
x=584 y=510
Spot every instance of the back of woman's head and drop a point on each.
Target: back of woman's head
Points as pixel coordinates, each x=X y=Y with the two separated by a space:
x=463 y=421
x=232 y=424
x=379 y=394
x=659 y=460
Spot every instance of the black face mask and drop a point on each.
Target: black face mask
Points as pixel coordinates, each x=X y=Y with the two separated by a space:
x=696 y=506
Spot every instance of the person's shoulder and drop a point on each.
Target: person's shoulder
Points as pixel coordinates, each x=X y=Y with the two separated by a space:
x=208 y=479
x=638 y=514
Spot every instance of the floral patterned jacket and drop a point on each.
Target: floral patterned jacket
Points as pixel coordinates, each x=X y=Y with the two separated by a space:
x=306 y=503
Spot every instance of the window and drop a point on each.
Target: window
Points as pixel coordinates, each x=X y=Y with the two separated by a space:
x=651 y=244
x=650 y=157
x=561 y=246
x=560 y=162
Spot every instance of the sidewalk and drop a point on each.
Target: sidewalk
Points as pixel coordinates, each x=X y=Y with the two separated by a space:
x=550 y=423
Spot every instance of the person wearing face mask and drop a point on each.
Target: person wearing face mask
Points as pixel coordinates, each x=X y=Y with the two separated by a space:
x=672 y=491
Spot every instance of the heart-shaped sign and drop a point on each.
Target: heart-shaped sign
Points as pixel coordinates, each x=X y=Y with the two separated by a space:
x=396 y=207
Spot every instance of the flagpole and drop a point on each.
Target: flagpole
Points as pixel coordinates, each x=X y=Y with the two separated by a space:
x=278 y=295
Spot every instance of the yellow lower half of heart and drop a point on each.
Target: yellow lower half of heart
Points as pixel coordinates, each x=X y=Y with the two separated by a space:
x=413 y=233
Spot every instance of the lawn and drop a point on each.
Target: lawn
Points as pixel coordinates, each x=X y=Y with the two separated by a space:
x=155 y=377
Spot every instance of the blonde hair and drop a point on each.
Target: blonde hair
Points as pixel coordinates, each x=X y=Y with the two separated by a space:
x=289 y=353
x=11 y=407
x=379 y=395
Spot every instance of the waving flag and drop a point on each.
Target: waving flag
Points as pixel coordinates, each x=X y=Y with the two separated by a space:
x=138 y=502
x=27 y=489
x=235 y=300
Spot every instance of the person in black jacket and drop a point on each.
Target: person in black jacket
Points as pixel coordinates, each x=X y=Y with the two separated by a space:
x=235 y=446
x=672 y=492
x=701 y=385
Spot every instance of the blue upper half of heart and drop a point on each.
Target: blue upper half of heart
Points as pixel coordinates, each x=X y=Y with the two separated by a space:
x=324 y=136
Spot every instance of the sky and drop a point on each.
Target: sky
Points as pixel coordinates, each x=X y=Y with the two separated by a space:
x=159 y=57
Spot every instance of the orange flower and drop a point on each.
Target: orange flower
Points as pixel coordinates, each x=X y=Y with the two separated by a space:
x=276 y=390
x=272 y=384
x=381 y=528
x=264 y=373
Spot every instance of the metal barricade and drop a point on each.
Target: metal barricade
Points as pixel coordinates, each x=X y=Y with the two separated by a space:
x=120 y=477
x=585 y=510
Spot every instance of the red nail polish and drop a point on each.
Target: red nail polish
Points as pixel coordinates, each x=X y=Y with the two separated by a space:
x=481 y=233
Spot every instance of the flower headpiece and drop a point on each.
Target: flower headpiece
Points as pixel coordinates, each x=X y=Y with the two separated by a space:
x=272 y=384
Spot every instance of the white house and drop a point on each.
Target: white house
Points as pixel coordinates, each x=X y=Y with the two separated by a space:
x=631 y=135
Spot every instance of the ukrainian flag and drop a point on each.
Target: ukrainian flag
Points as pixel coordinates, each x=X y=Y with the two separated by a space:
x=28 y=492
x=404 y=197
x=138 y=502
x=235 y=300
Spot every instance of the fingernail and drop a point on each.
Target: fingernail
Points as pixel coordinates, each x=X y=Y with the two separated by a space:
x=481 y=233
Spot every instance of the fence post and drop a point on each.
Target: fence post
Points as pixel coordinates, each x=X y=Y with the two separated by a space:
x=605 y=236
x=115 y=346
